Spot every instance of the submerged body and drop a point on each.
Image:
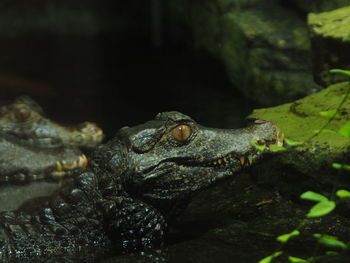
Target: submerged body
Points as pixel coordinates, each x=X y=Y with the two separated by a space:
x=34 y=147
x=134 y=184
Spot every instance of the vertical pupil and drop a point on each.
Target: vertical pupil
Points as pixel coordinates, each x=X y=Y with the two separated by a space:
x=181 y=132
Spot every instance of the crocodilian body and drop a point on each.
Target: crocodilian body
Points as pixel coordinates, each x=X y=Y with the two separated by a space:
x=134 y=183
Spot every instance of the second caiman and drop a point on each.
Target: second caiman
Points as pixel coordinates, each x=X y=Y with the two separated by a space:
x=134 y=185
x=33 y=147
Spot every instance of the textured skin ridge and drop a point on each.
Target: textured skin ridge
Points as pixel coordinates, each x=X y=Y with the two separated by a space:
x=135 y=182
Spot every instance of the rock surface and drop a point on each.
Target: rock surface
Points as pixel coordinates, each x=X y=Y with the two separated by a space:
x=330 y=38
x=309 y=165
x=261 y=43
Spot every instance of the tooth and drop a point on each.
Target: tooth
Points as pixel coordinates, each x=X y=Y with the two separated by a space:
x=242 y=160
x=215 y=162
x=250 y=160
x=58 y=166
x=219 y=161
x=83 y=161
x=225 y=159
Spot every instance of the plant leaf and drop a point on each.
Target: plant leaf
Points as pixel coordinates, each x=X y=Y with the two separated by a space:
x=341 y=166
x=275 y=148
x=297 y=260
x=332 y=253
x=271 y=257
x=341 y=71
x=309 y=195
x=343 y=193
x=345 y=130
x=292 y=143
x=328 y=113
x=257 y=146
x=321 y=209
x=324 y=130
x=284 y=238
x=330 y=241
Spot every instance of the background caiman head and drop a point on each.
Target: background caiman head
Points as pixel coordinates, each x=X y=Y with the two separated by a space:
x=33 y=147
x=172 y=157
x=25 y=120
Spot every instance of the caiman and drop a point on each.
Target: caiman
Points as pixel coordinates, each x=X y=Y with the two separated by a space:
x=33 y=147
x=134 y=184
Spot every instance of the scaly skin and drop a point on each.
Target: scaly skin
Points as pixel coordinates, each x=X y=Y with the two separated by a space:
x=33 y=147
x=134 y=183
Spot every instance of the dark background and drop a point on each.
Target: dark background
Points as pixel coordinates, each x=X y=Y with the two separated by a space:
x=116 y=63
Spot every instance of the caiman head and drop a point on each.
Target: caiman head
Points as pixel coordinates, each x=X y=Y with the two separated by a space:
x=34 y=147
x=25 y=120
x=172 y=157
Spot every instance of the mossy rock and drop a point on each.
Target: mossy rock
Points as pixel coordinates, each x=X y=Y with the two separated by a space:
x=264 y=46
x=309 y=165
x=330 y=38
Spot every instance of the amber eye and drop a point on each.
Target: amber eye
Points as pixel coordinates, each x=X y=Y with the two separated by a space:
x=22 y=114
x=181 y=132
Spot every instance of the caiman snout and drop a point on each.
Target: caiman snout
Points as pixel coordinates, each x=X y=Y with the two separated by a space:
x=88 y=134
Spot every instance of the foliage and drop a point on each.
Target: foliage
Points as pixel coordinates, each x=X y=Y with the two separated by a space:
x=345 y=130
x=284 y=238
x=341 y=71
x=269 y=259
x=323 y=204
x=341 y=166
x=274 y=147
x=332 y=114
x=292 y=143
x=343 y=194
x=297 y=260
x=330 y=241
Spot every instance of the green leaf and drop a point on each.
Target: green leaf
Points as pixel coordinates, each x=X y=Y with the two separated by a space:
x=309 y=195
x=297 y=260
x=332 y=253
x=330 y=241
x=328 y=113
x=275 y=148
x=284 y=238
x=341 y=71
x=321 y=209
x=324 y=131
x=345 y=130
x=271 y=257
x=292 y=143
x=257 y=146
x=341 y=166
x=343 y=193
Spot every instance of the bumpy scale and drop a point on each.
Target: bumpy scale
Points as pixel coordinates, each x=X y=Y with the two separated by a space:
x=134 y=184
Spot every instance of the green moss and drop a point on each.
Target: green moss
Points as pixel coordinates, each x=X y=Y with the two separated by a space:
x=299 y=121
x=333 y=24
